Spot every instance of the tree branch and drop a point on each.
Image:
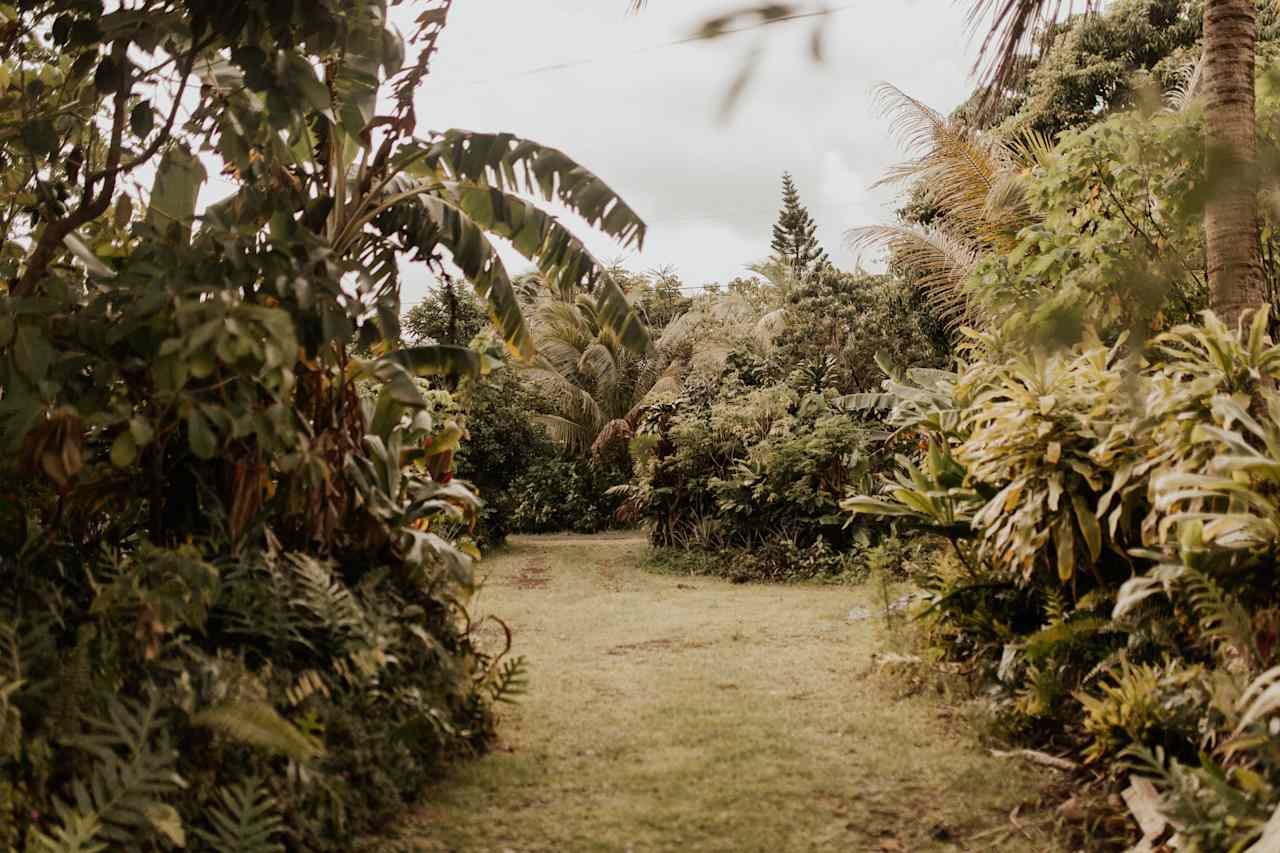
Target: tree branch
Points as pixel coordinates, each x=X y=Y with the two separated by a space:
x=90 y=207
x=162 y=137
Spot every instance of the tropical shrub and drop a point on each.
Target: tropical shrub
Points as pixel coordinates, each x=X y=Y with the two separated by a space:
x=755 y=473
x=232 y=612
x=503 y=442
x=564 y=493
x=1113 y=238
x=1153 y=646
x=840 y=323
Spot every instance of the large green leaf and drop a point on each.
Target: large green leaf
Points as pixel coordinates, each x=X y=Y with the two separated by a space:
x=425 y=221
x=507 y=162
x=438 y=360
x=564 y=261
x=177 y=184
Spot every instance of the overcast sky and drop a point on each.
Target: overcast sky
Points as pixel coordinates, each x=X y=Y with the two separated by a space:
x=645 y=117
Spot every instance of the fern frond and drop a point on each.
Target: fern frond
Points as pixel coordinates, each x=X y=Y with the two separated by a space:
x=77 y=834
x=1045 y=642
x=1224 y=620
x=308 y=683
x=28 y=653
x=1261 y=699
x=244 y=821
x=1055 y=606
x=134 y=773
x=321 y=592
x=258 y=724
x=510 y=682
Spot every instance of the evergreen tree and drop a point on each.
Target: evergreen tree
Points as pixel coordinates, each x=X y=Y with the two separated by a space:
x=795 y=243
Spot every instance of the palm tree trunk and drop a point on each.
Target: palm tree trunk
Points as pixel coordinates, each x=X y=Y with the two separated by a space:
x=1231 y=212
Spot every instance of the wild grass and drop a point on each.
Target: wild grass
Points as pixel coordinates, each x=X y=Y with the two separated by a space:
x=670 y=713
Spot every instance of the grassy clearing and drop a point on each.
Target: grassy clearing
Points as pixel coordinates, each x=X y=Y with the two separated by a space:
x=671 y=713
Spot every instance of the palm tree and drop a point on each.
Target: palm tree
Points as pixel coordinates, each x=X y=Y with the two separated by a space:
x=590 y=380
x=1231 y=215
x=970 y=178
x=597 y=388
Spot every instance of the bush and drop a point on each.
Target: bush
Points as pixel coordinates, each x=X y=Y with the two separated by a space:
x=503 y=443
x=747 y=467
x=310 y=696
x=838 y=324
x=1114 y=532
x=564 y=493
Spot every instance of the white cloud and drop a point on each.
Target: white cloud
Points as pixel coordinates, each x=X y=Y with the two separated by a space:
x=644 y=117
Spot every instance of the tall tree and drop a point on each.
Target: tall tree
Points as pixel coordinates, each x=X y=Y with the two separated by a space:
x=1231 y=215
x=1231 y=212
x=795 y=241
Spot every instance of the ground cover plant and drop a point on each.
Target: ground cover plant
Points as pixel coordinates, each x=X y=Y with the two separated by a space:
x=233 y=611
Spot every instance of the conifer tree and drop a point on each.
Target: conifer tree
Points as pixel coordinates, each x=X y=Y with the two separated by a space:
x=795 y=243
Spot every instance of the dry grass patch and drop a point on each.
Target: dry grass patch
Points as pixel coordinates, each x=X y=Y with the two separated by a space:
x=669 y=715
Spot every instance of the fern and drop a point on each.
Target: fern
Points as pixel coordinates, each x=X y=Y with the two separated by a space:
x=1062 y=635
x=1055 y=607
x=1226 y=624
x=10 y=721
x=76 y=835
x=1261 y=699
x=29 y=653
x=245 y=821
x=258 y=724
x=510 y=682
x=134 y=772
x=1181 y=788
x=308 y=683
x=323 y=594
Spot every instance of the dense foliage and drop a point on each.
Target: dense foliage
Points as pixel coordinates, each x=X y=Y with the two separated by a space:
x=232 y=614
x=1101 y=459
x=1113 y=536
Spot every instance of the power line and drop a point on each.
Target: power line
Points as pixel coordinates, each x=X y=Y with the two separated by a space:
x=843 y=205
x=696 y=37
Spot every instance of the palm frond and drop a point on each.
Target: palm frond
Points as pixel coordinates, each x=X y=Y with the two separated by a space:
x=769 y=328
x=424 y=220
x=1187 y=88
x=568 y=434
x=563 y=260
x=1011 y=27
x=954 y=163
x=571 y=404
x=940 y=262
x=258 y=724
x=506 y=162
x=680 y=330
x=602 y=365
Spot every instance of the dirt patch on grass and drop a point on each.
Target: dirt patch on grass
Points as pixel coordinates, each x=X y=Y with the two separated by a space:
x=534 y=575
x=657 y=646
x=717 y=717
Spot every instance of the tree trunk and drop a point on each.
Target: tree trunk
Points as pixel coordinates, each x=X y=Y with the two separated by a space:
x=1231 y=212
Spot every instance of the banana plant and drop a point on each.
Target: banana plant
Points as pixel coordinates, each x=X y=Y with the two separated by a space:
x=365 y=205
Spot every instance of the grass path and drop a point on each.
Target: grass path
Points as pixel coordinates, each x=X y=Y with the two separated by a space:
x=669 y=713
